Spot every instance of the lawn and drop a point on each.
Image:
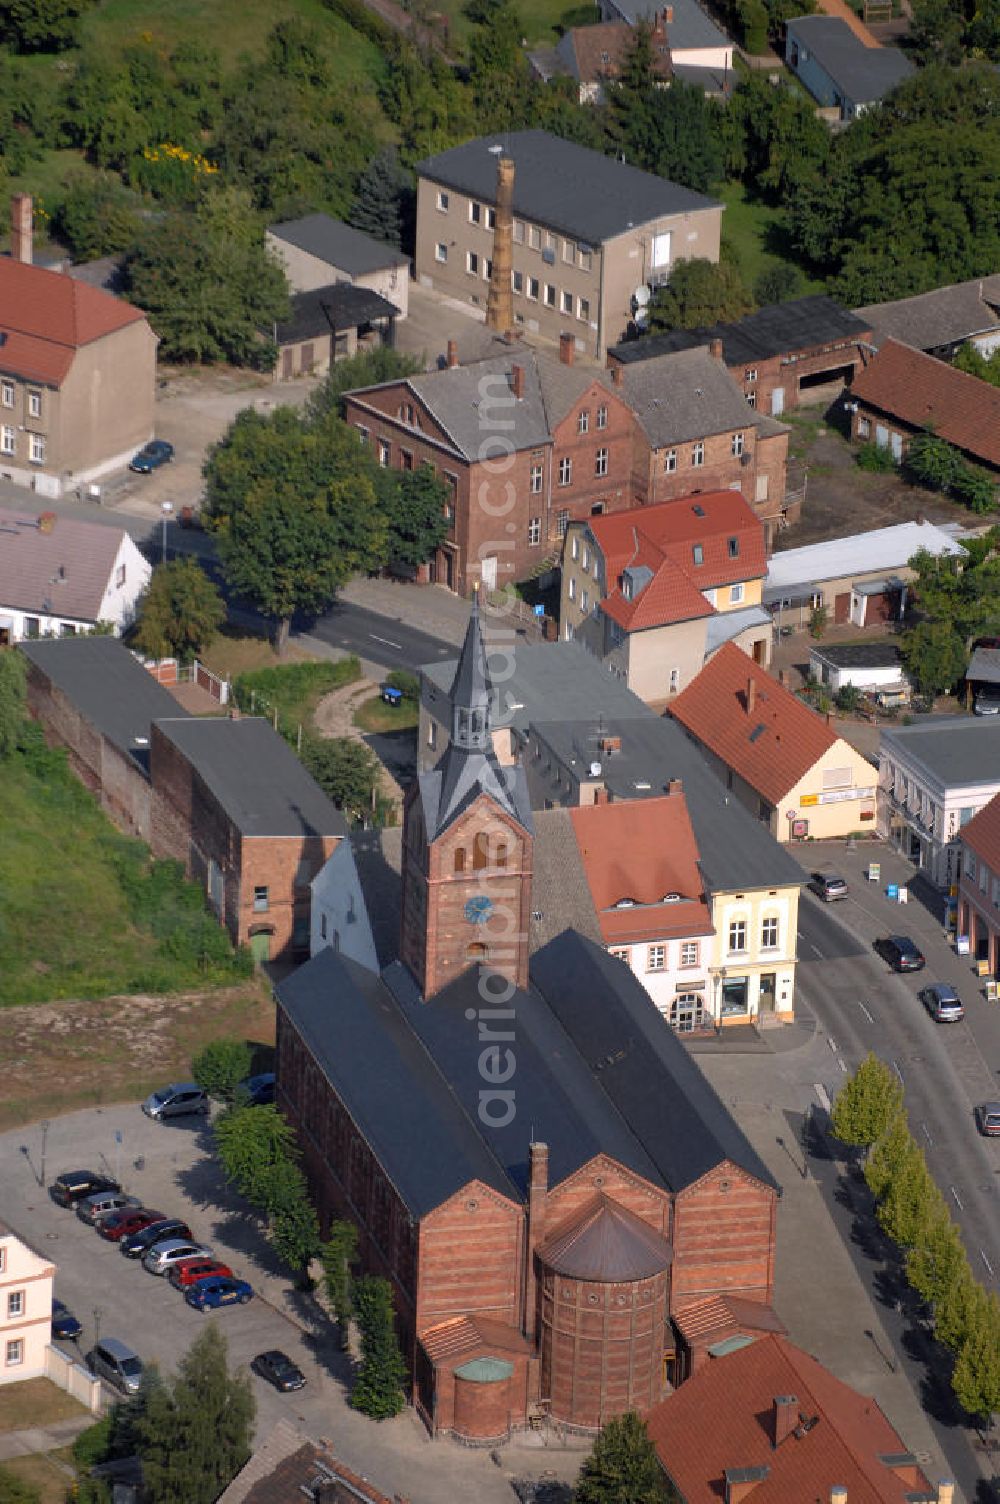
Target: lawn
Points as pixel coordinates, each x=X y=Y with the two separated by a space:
x=35 y=1402
x=543 y=20
x=375 y=715
x=289 y=692
x=41 y=1471
x=754 y=231
x=234 y=652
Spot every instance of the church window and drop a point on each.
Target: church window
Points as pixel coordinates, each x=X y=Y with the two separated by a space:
x=477 y=952
x=460 y=859
x=481 y=852
x=500 y=856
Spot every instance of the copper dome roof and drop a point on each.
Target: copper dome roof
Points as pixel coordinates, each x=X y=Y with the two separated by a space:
x=607 y=1244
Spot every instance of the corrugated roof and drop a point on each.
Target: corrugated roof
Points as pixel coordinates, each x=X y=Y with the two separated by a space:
x=772 y=743
x=923 y=392
x=720 y=1420
x=64 y=571
x=777 y=329
x=607 y=1244
x=882 y=549
x=46 y=317
x=558 y=183
x=343 y=247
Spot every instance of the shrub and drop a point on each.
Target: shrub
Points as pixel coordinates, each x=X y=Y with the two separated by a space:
x=875 y=458
x=408 y=684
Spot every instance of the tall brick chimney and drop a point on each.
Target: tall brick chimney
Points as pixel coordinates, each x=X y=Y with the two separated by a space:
x=715 y=349
x=945 y=1491
x=567 y=349
x=538 y=1191
x=785 y=1416
x=838 y=1493
x=22 y=228
x=517 y=381
x=452 y=354
x=618 y=374
x=500 y=301
x=751 y=694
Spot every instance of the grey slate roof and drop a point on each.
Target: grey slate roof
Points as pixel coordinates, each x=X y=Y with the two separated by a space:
x=778 y=329
x=31 y=562
x=984 y=666
x=346 y=249
x=460 y=778
x=561 y=896
x=581 y=193
x=640 y=1065
x=337 y=307
x=931 y=320
x=688 y=395
x=690 y=27
x=862 y=74
x=108 y=686
x=953 y=749
x=859 y=655
x=255 y=776
x=725 y=625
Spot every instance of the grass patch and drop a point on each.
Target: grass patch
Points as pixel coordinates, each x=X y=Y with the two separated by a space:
x=543 y=20
x=108 y=919
x=41 y=1471
x=234 y=652
x=36 y=1402
x=289 y=694
x=752 y=229
x=376 y=715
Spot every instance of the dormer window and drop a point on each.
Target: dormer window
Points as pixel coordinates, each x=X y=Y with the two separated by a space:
x=734 y=548
x=625 y=903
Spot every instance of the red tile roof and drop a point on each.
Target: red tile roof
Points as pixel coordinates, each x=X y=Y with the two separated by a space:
x=982 y=833
x=722 y=1418
x=663 y=537
x=46 y=316
x=771 y=745
x=924 y=392
x=642 y=849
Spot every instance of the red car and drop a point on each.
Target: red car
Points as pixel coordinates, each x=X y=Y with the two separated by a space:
x=189 y=1271
x=131 y=1219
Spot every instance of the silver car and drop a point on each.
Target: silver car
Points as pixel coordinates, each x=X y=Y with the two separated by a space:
x=102 y=1203
x=175 y=1101
x=942 y=1003
x=162 y=1257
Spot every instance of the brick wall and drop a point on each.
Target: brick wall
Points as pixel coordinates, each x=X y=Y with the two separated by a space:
x=611 y=492
x=285 y=866
x=471 y=1259
x=724 y=1228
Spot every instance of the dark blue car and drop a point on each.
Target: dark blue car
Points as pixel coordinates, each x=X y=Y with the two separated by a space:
x=218 y=1290
x=257 y=1091
x=151 y=456
x=64 y=1323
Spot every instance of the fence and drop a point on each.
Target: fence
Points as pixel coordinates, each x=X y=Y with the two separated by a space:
x=74 y=1379
x=168 y=671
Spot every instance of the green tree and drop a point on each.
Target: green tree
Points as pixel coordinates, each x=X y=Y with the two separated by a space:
x=699 y=292
x=196 y=1431
x=294 y=1226
x=934 y=655
x=220 y=1066
x=867 y=1104
x=345 y=770
x=367 y=368
x=936 y=31
x=976 y=1376
x=13 y=701
x=976 y=489
x=497 y=66
x=623 y=1467
x=936 y=1260
x=957 y=1311
x=776 y=141
x=378 y=1388
x=98 y=216
x=41 y=25
x=907 y=1201
x=889 y=1155
x=180 y=612
x=14 y=1490
x=848 y=699
x=933 y=461
x=779 y=283
x=675 y=132
x=249 y=1142
x=416 y=511
x=338 y=1254
x=973 y=362
x=385 y=205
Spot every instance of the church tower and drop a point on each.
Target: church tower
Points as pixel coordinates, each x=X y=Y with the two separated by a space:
x=467 y=846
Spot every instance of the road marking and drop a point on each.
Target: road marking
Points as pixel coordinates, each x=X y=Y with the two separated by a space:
x=842 y=1063
x=386 y=641
x=927 y=1133
x=822 y=1094
x=865 y=1011
x=957 y=1198
x=987 y=1263
x=899 y=1073
x=816 y=950
x=832 y=1043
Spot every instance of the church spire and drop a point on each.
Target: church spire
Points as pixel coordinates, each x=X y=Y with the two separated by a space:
x=471 y=690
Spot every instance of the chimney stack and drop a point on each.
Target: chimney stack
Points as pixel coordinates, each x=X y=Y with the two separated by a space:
x=782 y=677
x=567 y=349
x=22 y=226
x=517 y=381
x=751 y=694
x=675 y=786
x=715 y=348
x=601 y=795
x=786 y=1417
x=945 y=1491
x=617 y=374
x=538 y=1191
x=452 y=354
x=838 y=1493
x=500 y=300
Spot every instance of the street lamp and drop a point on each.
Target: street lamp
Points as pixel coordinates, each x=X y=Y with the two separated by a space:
x=167 y=509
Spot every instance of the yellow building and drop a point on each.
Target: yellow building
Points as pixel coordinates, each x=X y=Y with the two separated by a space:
x=25 y=1309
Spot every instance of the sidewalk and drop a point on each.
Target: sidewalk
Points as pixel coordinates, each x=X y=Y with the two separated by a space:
x=43 y=1438
x=429 y=608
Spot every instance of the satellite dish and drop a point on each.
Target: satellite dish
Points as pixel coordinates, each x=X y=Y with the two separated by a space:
x=641 y=296
x=641 y=318
x=595 y=770
x=494 y=150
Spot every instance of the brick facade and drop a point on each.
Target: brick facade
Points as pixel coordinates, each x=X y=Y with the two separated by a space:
x=738 y=459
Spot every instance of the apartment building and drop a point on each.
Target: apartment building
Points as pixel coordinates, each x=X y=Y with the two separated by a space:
x=25 y=1309
x=933 y=779
x=589 y=232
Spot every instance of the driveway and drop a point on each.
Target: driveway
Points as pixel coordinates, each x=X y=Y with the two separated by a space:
x=170 y=1167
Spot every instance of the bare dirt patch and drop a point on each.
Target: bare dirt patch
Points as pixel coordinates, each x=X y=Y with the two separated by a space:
x=35 y=1402
x=62 y=1056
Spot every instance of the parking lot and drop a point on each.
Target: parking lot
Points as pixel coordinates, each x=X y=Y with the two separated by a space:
x=170 y=1167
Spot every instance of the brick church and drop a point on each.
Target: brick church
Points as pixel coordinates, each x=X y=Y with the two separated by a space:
x=557 y=1195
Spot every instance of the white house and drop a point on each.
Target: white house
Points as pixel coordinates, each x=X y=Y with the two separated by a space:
x=25 y=1309
x=339 y=915
x=873 y=667
x=933 y=778
x=60 y=576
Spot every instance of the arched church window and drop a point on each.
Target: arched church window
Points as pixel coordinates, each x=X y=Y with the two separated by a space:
x=460 y=859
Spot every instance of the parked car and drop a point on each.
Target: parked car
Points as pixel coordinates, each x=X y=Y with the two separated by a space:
x=161 y=1257
x=988 y=1119
x=210 y=1294
x=189 y=1271
x=73 y=1185
x=828 y=887
x=901 y=953
x=129 y=1220
x=118 y=1364
x=278 y=1369
x=102 y=1203
x=257 y=1091
x=986 y=703
x=942 y=1003
x=64 y=1324
x=136 y=1244
x=151 y=456
x=175 y=1101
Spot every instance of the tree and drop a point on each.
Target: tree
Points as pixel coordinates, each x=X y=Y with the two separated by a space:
x=196 y=1431
x=934 y=655
x=908 y=1199
x=367 y=368
x=779 y=283
x=98 y=216
x=345 y=770
x=957 y=1310
x=378 y=1388
x=623 y=1467
x=211 y=288
x=819 y=619
x=249 y=1142
x=973 y=362
x=385 y=206
x=41 y=25
x=867 y=1103
x=220 y=1067
x=976 y=1376
x=889 y=1154
x=417 y=516
x=498 y=68
x=337 y=1255
x=933 y=461
x=13 y=701
x=936 y=31
x=675 y=132
x=180 y=612
x=294 y=1226
x=699 y=292
x=776 y=141
x=936 y=1260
